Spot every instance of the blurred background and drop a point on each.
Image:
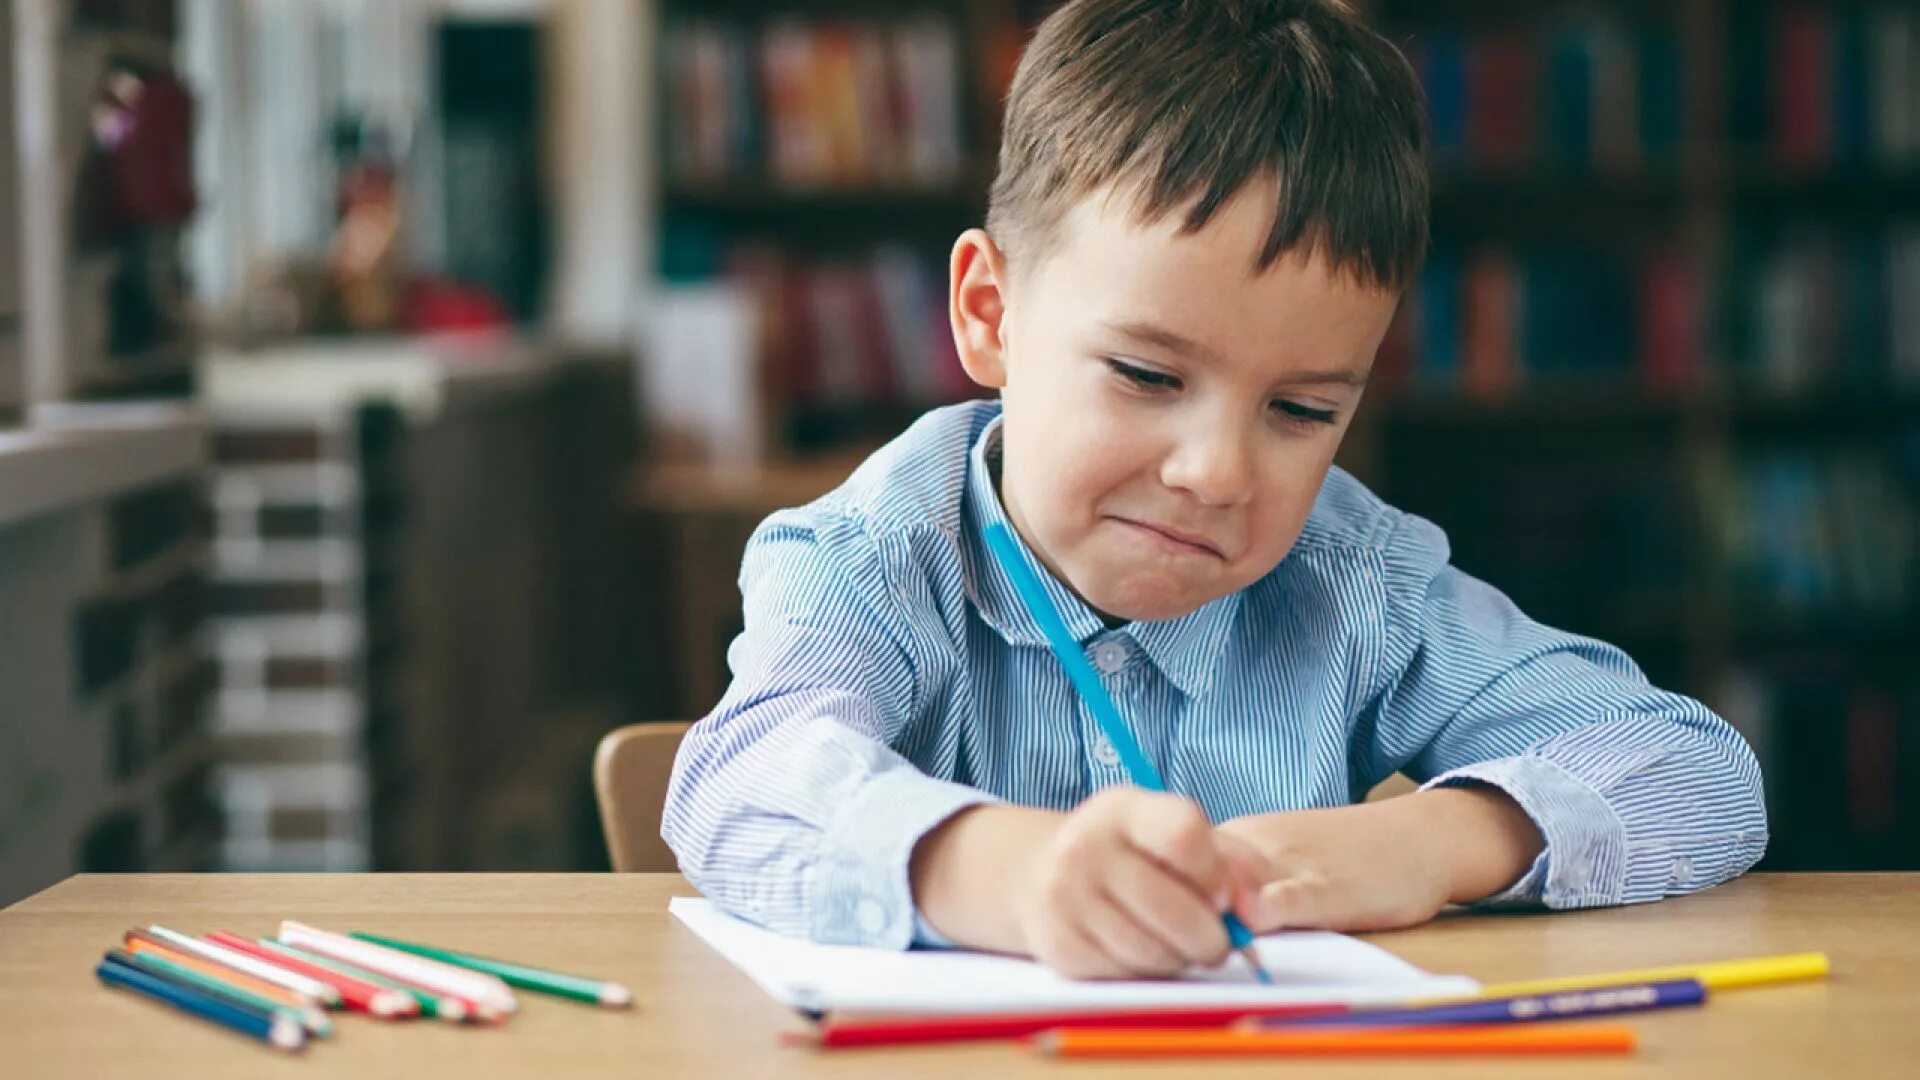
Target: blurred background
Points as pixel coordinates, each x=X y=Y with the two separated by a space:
x=388 y=387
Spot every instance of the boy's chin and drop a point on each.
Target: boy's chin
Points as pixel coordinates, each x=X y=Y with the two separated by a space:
x=1152 y=599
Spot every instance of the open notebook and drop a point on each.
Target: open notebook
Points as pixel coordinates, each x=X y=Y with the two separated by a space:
x=820 y=978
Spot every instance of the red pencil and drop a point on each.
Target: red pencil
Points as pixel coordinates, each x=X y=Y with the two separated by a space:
x=902 y=1030
x=354 y=993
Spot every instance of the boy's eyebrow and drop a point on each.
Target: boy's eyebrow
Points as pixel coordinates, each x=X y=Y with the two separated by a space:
x=1154 y=334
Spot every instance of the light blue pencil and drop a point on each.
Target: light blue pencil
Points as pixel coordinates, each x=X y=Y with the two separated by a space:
x=1099 y=703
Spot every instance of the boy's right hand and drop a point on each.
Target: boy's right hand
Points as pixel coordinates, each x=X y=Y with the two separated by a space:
x=1131 y=884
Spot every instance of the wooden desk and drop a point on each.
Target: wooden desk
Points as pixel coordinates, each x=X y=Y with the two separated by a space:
x=698 y=1017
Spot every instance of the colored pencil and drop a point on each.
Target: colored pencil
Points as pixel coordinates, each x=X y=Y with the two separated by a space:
x=259 y=969
x=1565 y=1005
x=1431 y=1042
x=1720 y=975
x=1141 y=771
x=431 y=1005
x=139 y=942
x=312 y=1019
x=576 y=987
x=371 y=998
x=276 y=1031
x=443 y=978
x=485 y=996
x=900 y=1031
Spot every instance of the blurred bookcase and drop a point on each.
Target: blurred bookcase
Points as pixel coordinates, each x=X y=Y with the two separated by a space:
x=1660 y=380
x=820 y=156
x=824 y=154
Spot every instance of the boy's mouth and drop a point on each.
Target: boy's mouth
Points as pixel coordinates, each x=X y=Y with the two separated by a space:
x=1178 y=539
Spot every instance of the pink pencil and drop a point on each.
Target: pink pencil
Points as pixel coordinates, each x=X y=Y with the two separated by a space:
x=354 y=993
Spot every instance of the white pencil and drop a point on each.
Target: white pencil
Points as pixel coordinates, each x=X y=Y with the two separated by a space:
x=303 y=985
x=433 y=975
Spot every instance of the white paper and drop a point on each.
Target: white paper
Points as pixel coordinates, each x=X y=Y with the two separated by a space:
x=1306 y=967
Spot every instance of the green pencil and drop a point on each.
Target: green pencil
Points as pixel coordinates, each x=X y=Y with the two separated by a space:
x=313 y=1020
x=431 y=1005
x=592 y=991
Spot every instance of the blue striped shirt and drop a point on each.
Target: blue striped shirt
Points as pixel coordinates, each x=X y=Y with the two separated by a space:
x=888 y=676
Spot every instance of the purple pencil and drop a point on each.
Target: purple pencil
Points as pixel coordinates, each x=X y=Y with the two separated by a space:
x=1565 y=1005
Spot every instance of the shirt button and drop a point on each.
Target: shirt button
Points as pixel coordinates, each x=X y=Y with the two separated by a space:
x=1110 y=656
x=1105 y=752
x=872 y=917
x=1682 y=870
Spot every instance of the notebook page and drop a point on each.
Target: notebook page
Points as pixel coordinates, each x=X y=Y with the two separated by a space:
x=1316 y=967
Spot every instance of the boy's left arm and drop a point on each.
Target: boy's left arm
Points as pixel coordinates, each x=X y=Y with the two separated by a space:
x=1553 y=772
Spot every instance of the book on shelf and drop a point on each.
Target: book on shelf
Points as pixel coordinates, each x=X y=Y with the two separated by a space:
x=1824 y=87
x=804 y=104
x=1486 y=321
x=1810 y=307
x=1827 y=305
x=1813 y=533
x=822 y=336
x=1583 y=93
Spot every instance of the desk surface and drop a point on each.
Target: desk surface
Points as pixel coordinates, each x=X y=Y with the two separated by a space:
x=697 y=1016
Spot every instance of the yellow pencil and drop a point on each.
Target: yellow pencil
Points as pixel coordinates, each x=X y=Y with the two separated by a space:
x=1720 y=975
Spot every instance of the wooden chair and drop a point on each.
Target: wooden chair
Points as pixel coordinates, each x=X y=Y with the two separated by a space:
x=630 y=773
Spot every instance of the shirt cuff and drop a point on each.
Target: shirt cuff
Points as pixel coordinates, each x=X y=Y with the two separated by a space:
x=925 y=936
x=862 y=894
x=1584 y=862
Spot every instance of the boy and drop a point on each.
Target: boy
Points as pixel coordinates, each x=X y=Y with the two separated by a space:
x=1204 y=217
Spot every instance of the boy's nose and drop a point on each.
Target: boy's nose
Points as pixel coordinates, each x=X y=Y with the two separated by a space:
x=1214 y=466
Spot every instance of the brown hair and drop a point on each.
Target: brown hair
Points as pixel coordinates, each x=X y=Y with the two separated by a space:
x=1186 y=102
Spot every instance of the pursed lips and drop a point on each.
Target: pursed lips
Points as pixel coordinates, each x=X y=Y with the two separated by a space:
x=1193 y=540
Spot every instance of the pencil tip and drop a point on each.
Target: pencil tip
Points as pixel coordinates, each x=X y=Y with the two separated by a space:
x=286 y=1034
x=1259 y=970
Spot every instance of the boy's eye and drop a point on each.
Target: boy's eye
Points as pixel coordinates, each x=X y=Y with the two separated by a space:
x=1144 y=378
x=1296 y=413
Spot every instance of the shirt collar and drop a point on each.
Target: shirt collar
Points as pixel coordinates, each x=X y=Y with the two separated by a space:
x=1187 y=650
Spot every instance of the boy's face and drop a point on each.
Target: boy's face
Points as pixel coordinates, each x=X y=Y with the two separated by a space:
x=1169 y=415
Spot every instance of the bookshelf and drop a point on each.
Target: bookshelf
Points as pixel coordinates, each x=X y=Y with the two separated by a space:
x=1658 y=383
x=822 y=156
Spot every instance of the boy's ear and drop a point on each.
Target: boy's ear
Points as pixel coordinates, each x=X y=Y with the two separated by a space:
x=977 y=305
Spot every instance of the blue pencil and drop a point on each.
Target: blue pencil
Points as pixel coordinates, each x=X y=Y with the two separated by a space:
x=1566 y=1005
x=1099 y=703
x=279 y=1031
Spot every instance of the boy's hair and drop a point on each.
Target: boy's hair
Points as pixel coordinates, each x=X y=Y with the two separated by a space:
x=1185 y=102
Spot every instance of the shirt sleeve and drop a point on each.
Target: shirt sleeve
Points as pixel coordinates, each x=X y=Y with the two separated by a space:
x=1640 y=793
x=787 y=805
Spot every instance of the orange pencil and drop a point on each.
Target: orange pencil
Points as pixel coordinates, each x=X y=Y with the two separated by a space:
x=312 y=1017
x=138 y=942
x=1488 y=1040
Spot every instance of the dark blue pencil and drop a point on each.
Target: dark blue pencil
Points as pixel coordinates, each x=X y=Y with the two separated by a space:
x=1099 y=703
x=278 y=1031
x=1566 y=1005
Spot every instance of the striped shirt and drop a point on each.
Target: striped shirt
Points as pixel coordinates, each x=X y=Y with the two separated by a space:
x=888 y=676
